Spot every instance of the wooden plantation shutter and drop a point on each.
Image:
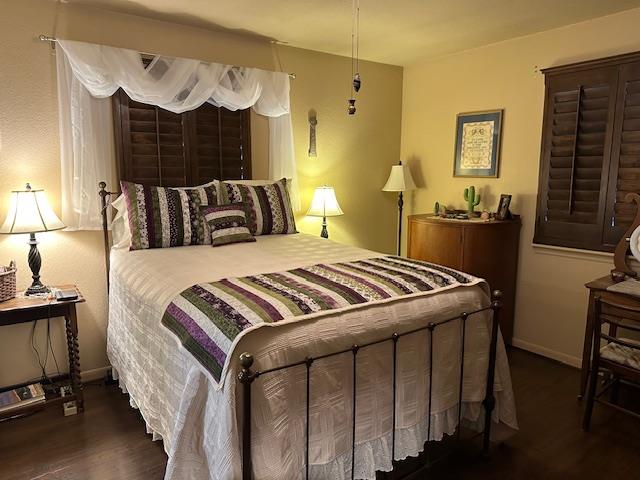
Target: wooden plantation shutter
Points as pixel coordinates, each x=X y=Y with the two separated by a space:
x=158 y=147
x=150 y=143
x=625 y=159
x=233 y=144
x=221 y=142
x=590 y=155
x=575 y=156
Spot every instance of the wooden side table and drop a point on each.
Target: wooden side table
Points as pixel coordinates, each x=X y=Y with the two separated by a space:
x=28 y=309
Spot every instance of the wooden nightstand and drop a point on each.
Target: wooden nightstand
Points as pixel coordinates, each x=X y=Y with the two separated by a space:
x=22 y=310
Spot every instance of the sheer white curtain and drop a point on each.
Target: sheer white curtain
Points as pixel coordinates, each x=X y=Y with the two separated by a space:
x=86 y=149
x=88 y=74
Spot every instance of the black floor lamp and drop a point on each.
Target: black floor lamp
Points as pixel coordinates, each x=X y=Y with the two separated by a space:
x=400 y=180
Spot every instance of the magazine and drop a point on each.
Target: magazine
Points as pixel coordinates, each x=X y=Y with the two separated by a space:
x=21 y=397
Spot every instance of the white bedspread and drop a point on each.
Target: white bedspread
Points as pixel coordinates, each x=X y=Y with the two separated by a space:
x=199 y=424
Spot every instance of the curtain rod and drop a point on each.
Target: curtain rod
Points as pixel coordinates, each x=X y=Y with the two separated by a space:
x=46 y=38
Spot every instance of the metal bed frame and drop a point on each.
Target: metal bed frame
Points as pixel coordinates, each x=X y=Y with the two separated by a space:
x=247 y=375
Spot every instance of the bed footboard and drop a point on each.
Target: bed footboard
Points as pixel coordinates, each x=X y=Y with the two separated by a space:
x=247 y=377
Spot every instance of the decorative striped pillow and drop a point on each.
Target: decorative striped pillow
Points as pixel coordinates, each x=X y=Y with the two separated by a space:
x=162 y=217
x=228 y=224
x=268 y=206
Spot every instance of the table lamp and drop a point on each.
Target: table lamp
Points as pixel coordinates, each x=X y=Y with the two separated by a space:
x=324 y=204
x=29 y=212
x=400 y=180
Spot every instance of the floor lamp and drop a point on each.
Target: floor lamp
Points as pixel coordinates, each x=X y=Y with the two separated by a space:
x=400 y=180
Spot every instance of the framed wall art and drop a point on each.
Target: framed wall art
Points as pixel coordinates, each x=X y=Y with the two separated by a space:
x=478 y=137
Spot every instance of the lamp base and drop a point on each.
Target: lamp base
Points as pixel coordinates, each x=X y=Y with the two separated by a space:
x=37 y=289
x=324 y=233
x=35 y=262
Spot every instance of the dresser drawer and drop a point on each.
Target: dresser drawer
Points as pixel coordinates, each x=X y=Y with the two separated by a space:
x=439 y=244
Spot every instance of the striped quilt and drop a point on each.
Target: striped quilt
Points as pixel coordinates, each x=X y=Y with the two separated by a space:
x=210 y=318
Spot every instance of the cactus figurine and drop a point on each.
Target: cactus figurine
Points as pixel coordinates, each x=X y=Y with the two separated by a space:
x=471 y=198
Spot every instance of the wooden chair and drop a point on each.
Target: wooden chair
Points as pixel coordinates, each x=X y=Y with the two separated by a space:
x=620 y=357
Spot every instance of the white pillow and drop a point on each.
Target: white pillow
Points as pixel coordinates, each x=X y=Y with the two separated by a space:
x=120 y=230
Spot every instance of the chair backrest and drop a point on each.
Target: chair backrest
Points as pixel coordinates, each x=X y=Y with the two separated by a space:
x=619 y=316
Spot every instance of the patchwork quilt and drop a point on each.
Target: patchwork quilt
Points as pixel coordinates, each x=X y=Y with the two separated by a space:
x=210 y=318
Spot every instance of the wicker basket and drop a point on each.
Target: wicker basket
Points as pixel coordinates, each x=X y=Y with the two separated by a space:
x=8 y=283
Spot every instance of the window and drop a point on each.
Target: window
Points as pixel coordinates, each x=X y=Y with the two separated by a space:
x=590 y=156
x=158 y=147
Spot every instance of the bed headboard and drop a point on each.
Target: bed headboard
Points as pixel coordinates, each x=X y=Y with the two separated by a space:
x=158 y=147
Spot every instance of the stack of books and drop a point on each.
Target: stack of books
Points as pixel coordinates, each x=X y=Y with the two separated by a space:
x=21 y=397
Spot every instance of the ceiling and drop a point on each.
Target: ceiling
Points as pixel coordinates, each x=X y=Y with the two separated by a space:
x=397 y=32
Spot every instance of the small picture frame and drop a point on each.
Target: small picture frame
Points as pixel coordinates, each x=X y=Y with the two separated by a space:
x=477 y=147
x=503 y=212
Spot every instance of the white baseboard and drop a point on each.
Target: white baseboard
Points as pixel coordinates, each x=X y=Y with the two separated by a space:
x=95 y=373
x=546 y=352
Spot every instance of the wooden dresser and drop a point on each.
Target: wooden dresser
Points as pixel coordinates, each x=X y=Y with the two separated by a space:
x=484 y=249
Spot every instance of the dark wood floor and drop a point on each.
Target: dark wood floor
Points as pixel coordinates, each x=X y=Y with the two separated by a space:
x=109 y=442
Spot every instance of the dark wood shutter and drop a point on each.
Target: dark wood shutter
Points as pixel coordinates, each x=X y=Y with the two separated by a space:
x=158 y=147
x=221 y=143
x=576 y=150
x=233 y=145
x=625 y=158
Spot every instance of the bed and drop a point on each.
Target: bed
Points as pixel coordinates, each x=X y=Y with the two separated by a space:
x=303 y=427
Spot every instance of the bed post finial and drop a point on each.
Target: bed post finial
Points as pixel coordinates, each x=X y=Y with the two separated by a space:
x=246 y=360
x=496 y=299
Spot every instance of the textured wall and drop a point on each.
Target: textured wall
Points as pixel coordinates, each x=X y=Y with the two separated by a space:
x=551 y=298
x=354 y=153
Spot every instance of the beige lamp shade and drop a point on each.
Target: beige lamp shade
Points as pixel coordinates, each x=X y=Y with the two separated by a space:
x=324 y=203
x=29 y=212
x=400 y=180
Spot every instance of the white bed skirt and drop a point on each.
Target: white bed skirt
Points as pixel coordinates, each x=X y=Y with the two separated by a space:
x=409 y=441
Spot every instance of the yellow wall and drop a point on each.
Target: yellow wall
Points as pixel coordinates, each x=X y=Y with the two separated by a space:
x=551 y=298
x=354 y=153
